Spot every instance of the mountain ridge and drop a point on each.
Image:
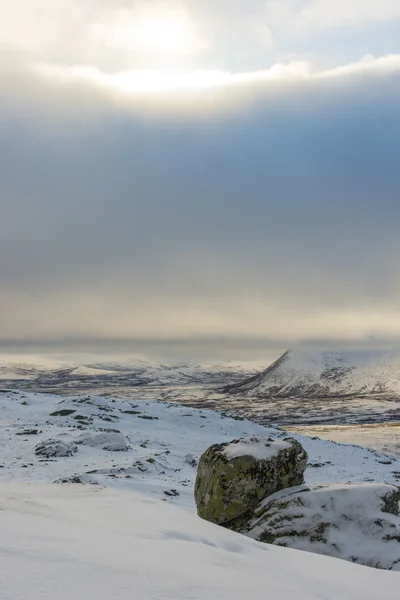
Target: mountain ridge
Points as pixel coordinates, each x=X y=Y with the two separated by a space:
x=306 y=374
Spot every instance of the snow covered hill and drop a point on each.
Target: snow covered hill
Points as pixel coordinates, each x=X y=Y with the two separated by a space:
x=304 y=374
x=133 y=531
x=91 y=543
x=164 y=442
x=58 y=375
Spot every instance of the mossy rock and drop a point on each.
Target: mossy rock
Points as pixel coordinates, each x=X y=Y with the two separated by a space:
x=233 y=478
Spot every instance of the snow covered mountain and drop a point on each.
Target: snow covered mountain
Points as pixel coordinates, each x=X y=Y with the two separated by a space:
x=304 y=374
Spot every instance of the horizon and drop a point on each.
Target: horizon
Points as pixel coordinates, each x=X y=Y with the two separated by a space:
x=60 y=356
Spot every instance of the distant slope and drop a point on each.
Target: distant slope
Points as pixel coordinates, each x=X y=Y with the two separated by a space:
x=139 y=373
x=90 y=371
x=305 y=374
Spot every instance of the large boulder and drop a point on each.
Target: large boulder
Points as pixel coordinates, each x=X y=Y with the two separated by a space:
x=233 y=478
x=55 y=449
x=358 y=522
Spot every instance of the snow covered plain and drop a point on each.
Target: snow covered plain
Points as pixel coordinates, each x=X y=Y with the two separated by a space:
x=135 y=533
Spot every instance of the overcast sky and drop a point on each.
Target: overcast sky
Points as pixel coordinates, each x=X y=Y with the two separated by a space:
x=221 y=174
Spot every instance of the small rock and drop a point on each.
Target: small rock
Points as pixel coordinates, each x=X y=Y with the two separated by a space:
x=55 y=449
x=29 y=432
x=190 y=460
x=148 y=417
x=172 y=493
x=62 y=413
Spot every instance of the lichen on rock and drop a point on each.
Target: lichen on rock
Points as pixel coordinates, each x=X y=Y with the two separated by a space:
x=233 y=478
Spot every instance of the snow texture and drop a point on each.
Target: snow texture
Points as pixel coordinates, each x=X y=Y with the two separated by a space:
x=107 y=440
x=258 y=448
x=355 y=522
x=89 y=543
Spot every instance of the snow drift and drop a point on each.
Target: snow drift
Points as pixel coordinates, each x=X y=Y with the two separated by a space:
x=88 y=543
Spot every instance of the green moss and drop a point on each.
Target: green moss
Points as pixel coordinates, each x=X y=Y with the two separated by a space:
x=227 y=491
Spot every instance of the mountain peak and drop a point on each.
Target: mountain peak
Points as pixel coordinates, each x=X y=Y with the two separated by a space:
x=310 y=374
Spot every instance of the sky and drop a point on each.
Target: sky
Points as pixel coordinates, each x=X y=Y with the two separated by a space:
x=195 y=174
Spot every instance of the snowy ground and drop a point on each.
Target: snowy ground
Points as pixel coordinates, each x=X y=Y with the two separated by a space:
x=136 y=535
x=89 y=543
x=163 y=441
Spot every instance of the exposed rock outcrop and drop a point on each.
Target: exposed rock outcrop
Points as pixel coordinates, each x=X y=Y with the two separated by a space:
x=233 y=478
x=55 y=449
x=358 y=522
x=113 y=441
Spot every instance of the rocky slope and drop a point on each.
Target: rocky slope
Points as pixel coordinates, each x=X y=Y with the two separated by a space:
x=151 y=445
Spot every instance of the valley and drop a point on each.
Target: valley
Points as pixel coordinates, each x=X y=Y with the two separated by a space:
x=343 y=396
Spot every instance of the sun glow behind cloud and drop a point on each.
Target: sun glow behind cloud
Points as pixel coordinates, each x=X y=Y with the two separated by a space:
x=165 y=81
x=147 y=81
x=156 y=30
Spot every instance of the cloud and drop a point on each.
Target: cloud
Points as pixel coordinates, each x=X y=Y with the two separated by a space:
x=131 y=34
x=230 y=35
x=173 y=171
x=149 y=81
x=369 y=64
x=274 y=217
x=307 y=16
x=131 y=83
x=99 y=32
